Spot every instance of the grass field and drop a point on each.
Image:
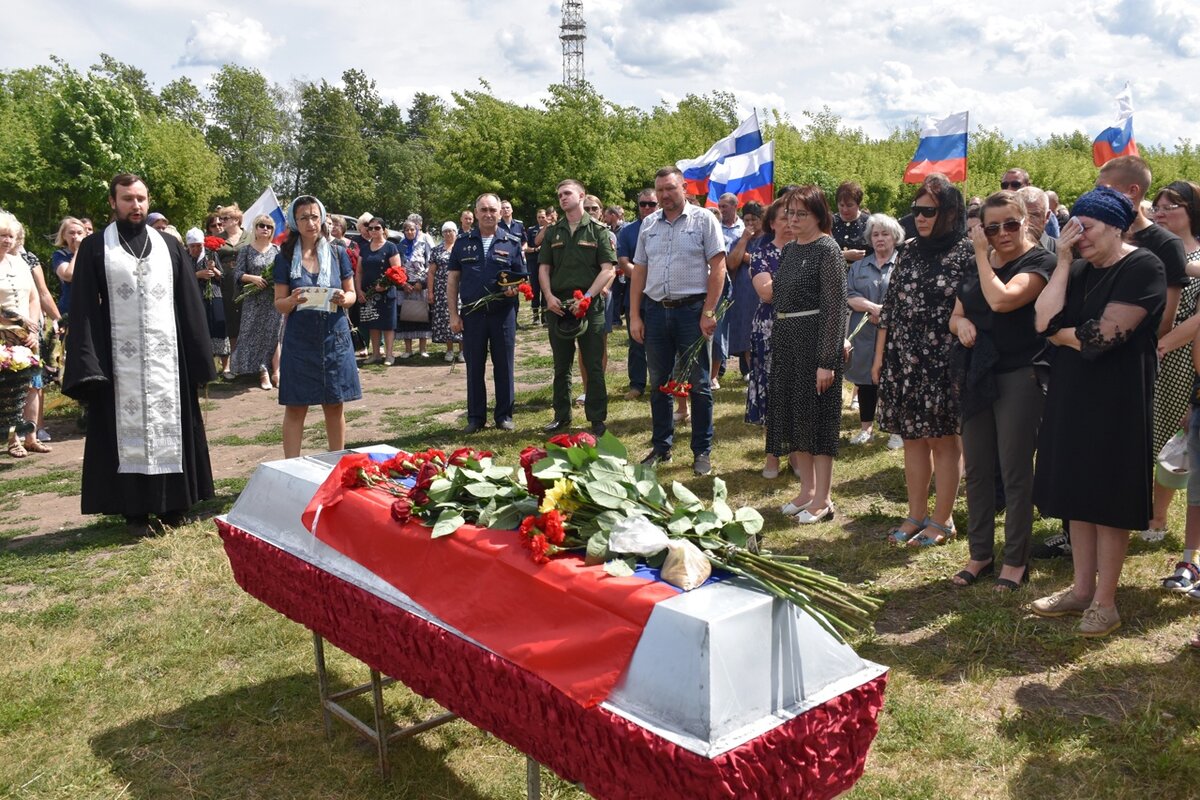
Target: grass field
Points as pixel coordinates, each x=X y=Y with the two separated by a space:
x=138 y=669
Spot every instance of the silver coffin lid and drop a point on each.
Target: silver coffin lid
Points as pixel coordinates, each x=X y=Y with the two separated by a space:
x=715 y=667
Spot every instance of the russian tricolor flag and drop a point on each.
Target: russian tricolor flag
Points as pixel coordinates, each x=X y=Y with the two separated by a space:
x=750 y=177
x=943 y=148
x=267 y=203
x=1117 y=140
x=745 y=139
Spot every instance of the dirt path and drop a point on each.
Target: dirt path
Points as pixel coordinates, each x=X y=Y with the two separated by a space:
x=240 y=415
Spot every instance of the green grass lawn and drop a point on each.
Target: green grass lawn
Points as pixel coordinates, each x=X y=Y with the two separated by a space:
x=138 y=668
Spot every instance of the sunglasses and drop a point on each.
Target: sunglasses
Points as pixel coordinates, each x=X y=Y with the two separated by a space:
x=929 y=212
x=647 y=203
x=265 y=226
x=591 y=208
x=1011 y=185
x=374 y=227
x=1009 y=226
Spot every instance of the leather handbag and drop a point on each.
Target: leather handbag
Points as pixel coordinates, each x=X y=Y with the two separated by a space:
x=414 y=309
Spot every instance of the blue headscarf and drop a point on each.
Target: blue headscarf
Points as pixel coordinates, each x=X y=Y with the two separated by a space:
x=1106 y=205
x=324 y=252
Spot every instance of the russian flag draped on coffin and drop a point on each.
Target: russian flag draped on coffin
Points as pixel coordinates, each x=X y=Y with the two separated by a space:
x=750 y=177
x=1117 y=139
x=943 y=148
x=267 y=203
x=746 y=138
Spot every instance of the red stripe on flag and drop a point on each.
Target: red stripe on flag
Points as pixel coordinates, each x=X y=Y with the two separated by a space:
x=955 y=169
x=1102 y=151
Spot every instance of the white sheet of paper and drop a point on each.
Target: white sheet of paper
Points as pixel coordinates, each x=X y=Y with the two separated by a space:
x=316 y=298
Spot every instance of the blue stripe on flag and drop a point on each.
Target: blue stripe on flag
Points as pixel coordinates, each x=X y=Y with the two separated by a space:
x=942 y=148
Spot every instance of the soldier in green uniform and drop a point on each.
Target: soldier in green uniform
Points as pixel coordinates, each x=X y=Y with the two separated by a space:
x=576 y=254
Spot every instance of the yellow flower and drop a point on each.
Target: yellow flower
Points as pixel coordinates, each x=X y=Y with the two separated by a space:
x=561 y=496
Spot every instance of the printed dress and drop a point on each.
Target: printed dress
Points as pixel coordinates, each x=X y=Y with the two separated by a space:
x=764 y=258
x=440 y=313
x=915 y=394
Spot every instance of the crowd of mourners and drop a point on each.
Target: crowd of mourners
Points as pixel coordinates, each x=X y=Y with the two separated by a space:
x=1042 y=358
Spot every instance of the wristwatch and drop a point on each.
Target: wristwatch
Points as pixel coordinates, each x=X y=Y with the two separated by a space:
x=711 y=313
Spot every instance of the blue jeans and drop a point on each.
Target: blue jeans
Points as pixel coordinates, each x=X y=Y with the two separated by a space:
x=670 y=331
x=637 y=357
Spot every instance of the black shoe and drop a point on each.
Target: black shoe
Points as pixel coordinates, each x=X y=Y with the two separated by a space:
x=558 y=426
x=506 y=425
x=472 y=427
x=655 y=458
x=598 y=429
x=702 y=465
x=173 y=519
x=1056 y=546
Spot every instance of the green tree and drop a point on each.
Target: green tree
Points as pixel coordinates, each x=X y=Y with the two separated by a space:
x=245 y=130
x=181 y=99
x=132 y=79
x=184 y=175
x=332 y=157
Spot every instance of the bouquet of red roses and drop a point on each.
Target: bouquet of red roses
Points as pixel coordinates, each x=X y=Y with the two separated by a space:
x=213 y=243
x=392 y=276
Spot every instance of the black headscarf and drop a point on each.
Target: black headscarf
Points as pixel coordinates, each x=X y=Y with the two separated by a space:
x=949 y=200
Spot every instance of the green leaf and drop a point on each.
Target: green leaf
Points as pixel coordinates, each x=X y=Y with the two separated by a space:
x=680 y=525
x=719 y=490
x=604 y=493
x=644 y=488
x=597 y=549
x=485 y=515
x=497 y=473
x=552 y=467
x=721 y=509
x=610 y=445
x=481 y=489
x=656 y=496
x=751 y=520
x=447 y=523
x=441 y=490
x=705 y=522
x=685 y=496
x=508 y=517
x=734 y=533
x=618 y=568
x=578 y=456
x=608 y=467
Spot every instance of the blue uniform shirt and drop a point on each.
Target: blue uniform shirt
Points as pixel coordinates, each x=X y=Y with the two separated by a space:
x=478 y=273
x=627 y=239
x=516 y=228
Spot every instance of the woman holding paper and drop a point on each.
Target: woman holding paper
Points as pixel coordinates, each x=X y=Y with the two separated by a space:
x=313 y=285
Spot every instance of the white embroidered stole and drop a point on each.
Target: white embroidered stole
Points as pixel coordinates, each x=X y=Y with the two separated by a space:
x=141 y=295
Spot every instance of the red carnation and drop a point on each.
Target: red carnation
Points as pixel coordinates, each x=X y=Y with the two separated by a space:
x=461 y=456
x=562 y=440
x=351 y=478
x=581 y=308
x=213 y=242
x=583 y=437
x=402 y=509
x=552 y=526
x=526 y=291
x=539 y=547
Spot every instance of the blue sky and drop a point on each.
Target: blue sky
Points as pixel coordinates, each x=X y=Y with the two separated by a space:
x=1029 y=69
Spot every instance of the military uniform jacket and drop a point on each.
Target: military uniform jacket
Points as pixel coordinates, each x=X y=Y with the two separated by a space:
x=575 y=258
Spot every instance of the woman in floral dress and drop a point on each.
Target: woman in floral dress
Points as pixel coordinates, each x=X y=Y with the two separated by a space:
x=912 y=359
x=414 y=254
x=764 y=260
x=257 y=349
x=439 y=312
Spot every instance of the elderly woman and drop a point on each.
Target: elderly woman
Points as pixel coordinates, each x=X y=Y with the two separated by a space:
x=436 y=293
x=47 y=319
x=804 y=407
x=850 y=223
x=378 y=315
x=1177 y=209
x=19 y=299
x=866 y=286
x=208 y=274
x=912 y=360
x=316 y=365
x=1002 y=369
x=745 y=300
x=254 y=275
x=1094 y=458
x=412 y=313
x=764 y=261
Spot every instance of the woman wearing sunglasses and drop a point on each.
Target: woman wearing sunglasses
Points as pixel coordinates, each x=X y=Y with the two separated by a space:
x=999 y=385
x=912 y=360
x=378 y=314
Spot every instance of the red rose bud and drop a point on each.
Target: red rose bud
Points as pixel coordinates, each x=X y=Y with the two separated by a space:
x=583 y=437
x=419 y=497
x=402 y=509
x=562 y=440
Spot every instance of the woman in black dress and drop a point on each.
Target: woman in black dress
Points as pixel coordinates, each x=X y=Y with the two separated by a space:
x=1094 y=451
x=804 y=400
x=912 y=360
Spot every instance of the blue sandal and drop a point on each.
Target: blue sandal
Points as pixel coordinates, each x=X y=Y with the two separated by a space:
x=943 y=535
x=897 y=536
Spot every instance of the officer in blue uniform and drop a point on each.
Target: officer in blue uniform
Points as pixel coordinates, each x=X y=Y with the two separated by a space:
x=478 y=257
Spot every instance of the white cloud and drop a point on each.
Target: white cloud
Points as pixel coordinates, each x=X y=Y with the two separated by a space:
x=221 y=38
x=1172 y=26
x=524 y=53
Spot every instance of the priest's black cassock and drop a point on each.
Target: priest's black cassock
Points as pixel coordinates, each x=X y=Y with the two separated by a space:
x=89 y=378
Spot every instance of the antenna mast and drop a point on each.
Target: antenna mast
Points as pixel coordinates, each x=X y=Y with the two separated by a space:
x=572 y=34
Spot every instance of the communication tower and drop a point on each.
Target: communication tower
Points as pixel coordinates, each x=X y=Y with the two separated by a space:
x=572 y=34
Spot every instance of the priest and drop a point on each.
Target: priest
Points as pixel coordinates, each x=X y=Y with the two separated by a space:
x=138 y=357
